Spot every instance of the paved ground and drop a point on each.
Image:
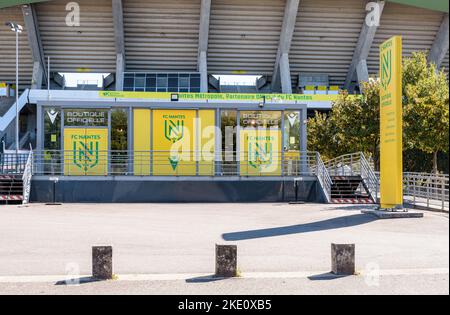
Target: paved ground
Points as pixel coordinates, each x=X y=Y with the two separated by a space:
x=399 y=284
x=180 y=238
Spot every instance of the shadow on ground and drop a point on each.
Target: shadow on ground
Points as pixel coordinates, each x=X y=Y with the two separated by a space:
x=326 y=276
x=357 y=207
x=78 y=281
x=330 y=224
x=205 y=279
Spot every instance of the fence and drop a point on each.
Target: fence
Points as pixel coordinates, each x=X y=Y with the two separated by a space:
x=426 y=190
x=167 y=163
x=12 y=163
x=419 y=189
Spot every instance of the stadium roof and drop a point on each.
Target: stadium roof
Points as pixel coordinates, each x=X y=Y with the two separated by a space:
x=241 y=36
x=439 y=5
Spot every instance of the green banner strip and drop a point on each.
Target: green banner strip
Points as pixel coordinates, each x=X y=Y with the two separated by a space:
x=221 y=96
x=437 y=5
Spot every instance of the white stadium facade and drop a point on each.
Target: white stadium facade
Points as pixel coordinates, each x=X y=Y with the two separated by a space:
x=161 y=62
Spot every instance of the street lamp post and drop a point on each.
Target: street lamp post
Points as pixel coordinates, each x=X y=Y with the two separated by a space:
x=16 y=28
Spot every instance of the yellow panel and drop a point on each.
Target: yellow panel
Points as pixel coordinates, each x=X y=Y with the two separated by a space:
x=173 y=142
x=207 y=134
x=260 y=152
x=391 y=164
x=141 y=141
x=86 y=151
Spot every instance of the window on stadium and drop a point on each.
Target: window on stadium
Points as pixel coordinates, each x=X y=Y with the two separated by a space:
x=84 y=80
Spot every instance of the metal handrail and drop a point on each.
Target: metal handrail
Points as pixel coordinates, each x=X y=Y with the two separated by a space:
x=355 y=164
x=345 y=165
x=150 y=163
x=26 y=178
x=369 y=178
x=428 y=190
x=13 y=163
x=324 y=177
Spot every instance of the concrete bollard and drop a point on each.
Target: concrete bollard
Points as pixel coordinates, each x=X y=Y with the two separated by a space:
x=343 y=259
x=102 y=267
x=226 y=260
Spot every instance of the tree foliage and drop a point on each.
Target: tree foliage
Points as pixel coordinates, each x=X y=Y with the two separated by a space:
x=353 y=124
x=426 y=107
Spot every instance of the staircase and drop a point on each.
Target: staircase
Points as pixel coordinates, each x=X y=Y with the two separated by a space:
x=353 y=180
x=349 y=189
x=11 y=189
x=16 y=170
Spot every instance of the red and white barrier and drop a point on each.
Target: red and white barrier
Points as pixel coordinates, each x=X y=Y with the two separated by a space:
x=351 y=200
x=11 y=197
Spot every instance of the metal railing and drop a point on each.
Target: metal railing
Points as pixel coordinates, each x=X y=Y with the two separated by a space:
x=13 y=163
x=370 y=179
x=26 y=178
x=166 y=163
x=323 y=177
x=426 y=190
x=345 y=165
x=355 y=164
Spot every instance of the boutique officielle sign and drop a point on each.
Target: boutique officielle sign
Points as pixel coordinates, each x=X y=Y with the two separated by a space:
x=83 y=117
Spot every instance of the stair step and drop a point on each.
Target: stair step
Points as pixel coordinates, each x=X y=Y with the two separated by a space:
x=352 y=200
x=11 y=197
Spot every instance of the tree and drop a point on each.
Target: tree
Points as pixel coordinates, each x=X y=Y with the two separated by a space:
x=353 y=125
x=322 y=135
x=119 y=134
x=426 y=107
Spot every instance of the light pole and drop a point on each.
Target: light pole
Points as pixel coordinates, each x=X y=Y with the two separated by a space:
x=16 y=28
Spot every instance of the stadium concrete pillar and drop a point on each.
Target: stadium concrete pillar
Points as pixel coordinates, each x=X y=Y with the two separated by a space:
x=37 y=76
x=120 y=69
x=365 y=40
x=284 y=46
x=285 y=74
x=34 y=41
x=203 y=36
x=440 y=44
x=117 y=9
x=203 y=69
x=362 y=71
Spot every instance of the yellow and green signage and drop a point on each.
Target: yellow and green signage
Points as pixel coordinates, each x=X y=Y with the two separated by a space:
x=221 y=96
x=181 y=142
x=85 y=151
x=260 y=155
x=173 y=142
x=391 y=164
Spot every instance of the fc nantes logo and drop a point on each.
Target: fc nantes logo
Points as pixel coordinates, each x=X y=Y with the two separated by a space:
x=386 y=68
x=85 y=154
x=260 y=156
x=173 y=130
